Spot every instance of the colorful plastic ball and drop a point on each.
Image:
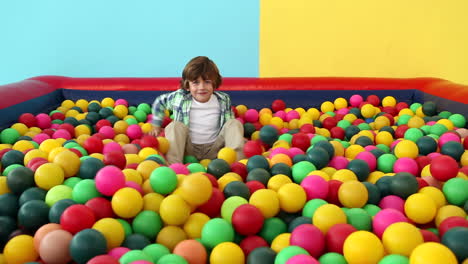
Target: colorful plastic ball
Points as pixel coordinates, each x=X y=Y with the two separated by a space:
x=261 y=255
x=436 y=194
x=103 y=259
x=385 y=218
x=247 y=220
x=353 y=194
x=444 y=168
x=455 y=191
x=288 y=252
x=54 y=247
x=420 y=208
x=432 y=253
x=227 y=252
x=77 y=217
x=28 y=119
x=453 y=149
x=310 y=238
x=69 y=161
x=194 y=224
x=147 y=223
x=406 y=165
x=137 y=241
x=109 y=180
x=174 y=210
x=363 y=247
x=87 y=244
x=267 y=201
x=393 y=202
x=20 y=249
x=19 y=179
x=191 y=250
x=406 y=148
x=404 y=184
x=355 y=100
x=305 y=259
x=127 y=202
x=401 y=238
x=216 y=231
x=315 y=187
x=33 y=214
x=218 y=167
x=163 y=180
x=278 y=105
x=328 y=215
x=292 y=197
x=42 y=232
x=112 y=230
x=452 y=222
x=196 y=189
x=252 y=148
x=336 y=236
x=456 y=240
x=359 y=218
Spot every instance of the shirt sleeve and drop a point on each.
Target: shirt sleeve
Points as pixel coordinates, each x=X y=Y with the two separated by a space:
x=160 y=104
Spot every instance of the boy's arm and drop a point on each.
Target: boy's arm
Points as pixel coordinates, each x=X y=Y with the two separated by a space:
x=160 y=104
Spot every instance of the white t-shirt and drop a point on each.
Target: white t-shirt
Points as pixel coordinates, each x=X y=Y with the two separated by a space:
x=204 y=118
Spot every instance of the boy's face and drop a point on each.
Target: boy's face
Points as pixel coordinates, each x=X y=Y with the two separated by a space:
x=201 y=89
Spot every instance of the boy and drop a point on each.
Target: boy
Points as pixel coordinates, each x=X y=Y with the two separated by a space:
x=203 y=121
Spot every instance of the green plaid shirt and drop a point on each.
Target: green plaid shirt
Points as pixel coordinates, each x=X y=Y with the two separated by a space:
x=179 y=103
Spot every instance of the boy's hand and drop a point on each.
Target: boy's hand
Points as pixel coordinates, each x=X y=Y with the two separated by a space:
x=155 y=131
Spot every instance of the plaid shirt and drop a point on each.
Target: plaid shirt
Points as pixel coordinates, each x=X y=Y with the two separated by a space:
x=179 y=103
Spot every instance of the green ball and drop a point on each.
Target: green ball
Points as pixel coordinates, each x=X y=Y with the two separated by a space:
x=332 y=258
x=89 y=167
x=261 y=255
x=20 y=179
x=311 y=206
x=132 y=109
x=317 y=138
x=141 y=116
x=317 y=156
x=383 y=184
x=81 y=150
x=404 y=184
x=196 y=167
x=289 y=252
x=126 y=226
x=394 y=259
x=57 y=209
x=268 y=134
x=372 y=209
x=259 y=174
x=136 y=241
x=134 y=255
x=9 y=205
x=445 y=114
x=257 y=161
x=190 y=159
x=87 y=244
x=385 y=162
x=93 y=117
x=438 y=129
x=373 y=193
x=403 y=119
x=147 y=223
x=8 y=225
x=218 y=167
x=413 y=134
x=94 y=107
x=455 y=191
x=229 y=205
x=415 y=106
x=163 y=180
x=301 y=169
x=383 y=147
x=286 y=137
x=131 y=121
x=12 y=157
x=359 y=218
x=84 y=191
x=364 y=126
x=33 y=193
x=426 y=129
x=429 y=108
x=249 y=129
x=426 y=145
x=156 y=251
x=343 y=124
x=33 y=214
x=273 y=227
x=281 y=168
x=172 y=259
x=236 y=188
x=458 y=120
x=453 y=149
x=298 y=221
x=71 y=182
x=456 y=239
x=105 y=112
x=10 y=168
x=58 y=193
x=144 y=107
x=216 y=231
x=9 y=136
x=360 y=168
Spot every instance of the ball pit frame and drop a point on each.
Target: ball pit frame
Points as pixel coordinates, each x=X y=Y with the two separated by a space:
x=45 y=93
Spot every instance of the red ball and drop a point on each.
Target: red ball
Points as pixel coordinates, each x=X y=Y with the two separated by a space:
x=76 y=218
x=337 y=132
x=400 y=106
x=212 y=207
x=373 y=100
x=390 y=110
x=48 y=131
x=357 y=122
x=101 y=207
x=149 y=141
x=28 y=119
x=250 y=243
x=443 y=168
x=310 y=238
x=465 y=142
x=254 y=186
x=68 y=127
x=390 y=118
x=102 y=123
x=76 y=151
x=333 y=187
x=422 y=161
x=400 y=131
x=247 y=220
x=103 y=259
x=278 y=105
x=464 y=170
x=301 y=141
x=36 y=162
x=429 y=236
x=252 y=148
x=421 y=183
x=93 y=144
x=307 y=128
x=337 y=235
x=329 y=123
x=57 y=116
x=451 y=222
x=116 y=158
x=239 y=168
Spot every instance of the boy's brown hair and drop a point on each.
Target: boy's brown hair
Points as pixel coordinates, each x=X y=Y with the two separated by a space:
x=200 y=66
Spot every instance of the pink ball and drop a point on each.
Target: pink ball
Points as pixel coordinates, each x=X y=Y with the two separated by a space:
x=302 y=259
x=369 y=158
x=295 y=151
x=433 y=155
x=310 y=238
x=392 y=202
x=279 y=150
x=111 y=146
x=40 y=137
x=293 y=114
x=61 y=133
x=283 y=130
x=134 y=132
x=370 y=147
x=338 y=162
x=179 y=168
x=342 y=111
x=121 y=102
x=430 y=123
x=107 y=131
x=355 y=100
x=135 y=186
x=141 y=262
x=385 y=218
x=281 y=114
x=55 y=126
x=109 y=179
x=392 y=146
x=446 y=137
x=406 y=165
x=43 y=121
x=251 y=115
x=118 y=252
x=315 y=187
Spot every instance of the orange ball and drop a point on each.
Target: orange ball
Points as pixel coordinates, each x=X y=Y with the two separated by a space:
x=192 y=251
x=42 y=232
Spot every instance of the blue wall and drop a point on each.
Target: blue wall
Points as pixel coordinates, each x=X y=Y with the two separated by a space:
x=117 y=38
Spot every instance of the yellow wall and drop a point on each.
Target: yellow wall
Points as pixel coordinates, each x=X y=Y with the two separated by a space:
x=364 y=38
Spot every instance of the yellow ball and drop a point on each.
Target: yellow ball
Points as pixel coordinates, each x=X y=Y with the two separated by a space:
x=121 y=139
x=275 y=182
x=34 y=153
x=49 y=144
x=120 y=127
x=120 y=111
x=314 y=113
x=384 y=137
x=292 y=197
x=340 y=103
x=328 y=215
x=146 y=167
x=133 y=175
x=464 y=158
x=353 y=194
x=227 y=253
x=152 y=202
x=3 y=185
x=416 y=122
x=277 y=122
x=280 y=242
x=82 y=130
x=266 y=201
x=68 y=104
x=327 y=106
x=21 y=128
x=406 y=148
x=352 y=151
x=363 y=247
x=163 y=144
x=367 y=110
x=265 y=118
x=174 y=210
x=420 y=208
x=446 y=122
x=406 y=111
x=344 y=175
x=72 y=113
x=194 y=225
x=196 y=189
x=226 y=179
x=447 y=211
x=432 y=253
x=49 y=175
x=325 y=172
x=127 y=202
x=69 y=161
x=338 y=147
x=20 y=249
x=170 y=236
x=375 y=176
x=401 y=238
x=436 y=195
x=350 y=117
x=241 y=109
x=83 y=104
x=389 y=101
x=112 y=230
x=107 y=102
x=227 y=154
x=145 y=152
x=381 y=121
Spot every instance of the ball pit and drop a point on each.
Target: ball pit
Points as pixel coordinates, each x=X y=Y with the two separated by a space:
x=340 y=183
